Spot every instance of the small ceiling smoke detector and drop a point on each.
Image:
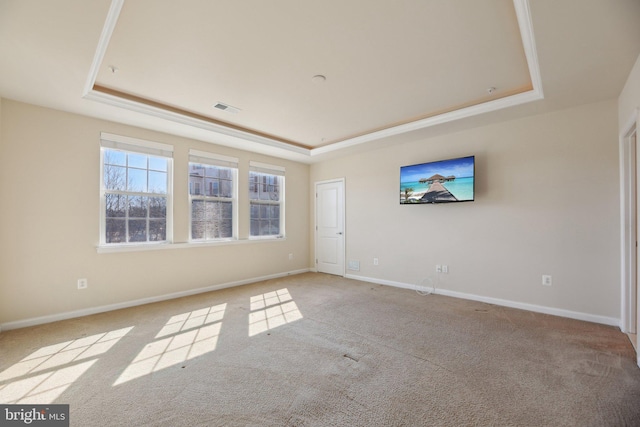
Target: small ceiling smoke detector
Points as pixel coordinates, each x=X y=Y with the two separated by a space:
x=318 y=78
x=226 y=107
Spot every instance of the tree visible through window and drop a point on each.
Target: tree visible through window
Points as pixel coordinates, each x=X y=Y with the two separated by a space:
x=135 y=191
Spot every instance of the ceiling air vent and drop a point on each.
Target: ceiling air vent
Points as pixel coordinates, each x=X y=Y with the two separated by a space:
x=226 y=107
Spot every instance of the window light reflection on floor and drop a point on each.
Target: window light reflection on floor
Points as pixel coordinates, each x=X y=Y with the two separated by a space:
x=271 y=310
x=44 y=375
x=189 y=335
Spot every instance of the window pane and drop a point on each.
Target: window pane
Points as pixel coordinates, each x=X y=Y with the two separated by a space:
x=225 y=173
x=138 y=213
x=273 y=188
x=158 y=163
x=274 y=192
x=255 y=211
x=212 y=171
x=227 y=210
x=226 y=188
x=213 y=211
x=274 y=227
x=116 y=205
x=212 y=187
x=137 y=230
x=115 y=177
x=157 y=230
x=113 y=157
x=137 y=180
x=275 y=212
x=255 y=227
x=226 y=228
x=264 y=228
x=196 y=169
x=253 y=185
x=264 y=186
x=198 y=229
x=211 y=219
x=158 y=182
x=138 y=206
x=115 y=231
x=137 y=160
x=226 y=219
x=197 y=210
x=195 y=185
x=157 y=207
x=265 y=219
x=213 y=231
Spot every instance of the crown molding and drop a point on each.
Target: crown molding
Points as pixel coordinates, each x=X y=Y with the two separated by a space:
x=103 y=44
x=523 y=13
x=164 y=114
x=486 y=107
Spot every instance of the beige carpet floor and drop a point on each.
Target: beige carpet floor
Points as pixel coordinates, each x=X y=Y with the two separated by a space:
x=320 y=350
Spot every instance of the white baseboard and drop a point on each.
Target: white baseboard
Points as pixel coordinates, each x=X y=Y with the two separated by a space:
x=104 y=308
x=611 y=321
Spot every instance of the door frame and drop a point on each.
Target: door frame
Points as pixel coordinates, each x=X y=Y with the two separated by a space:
x=341 y=181
x=629 y=225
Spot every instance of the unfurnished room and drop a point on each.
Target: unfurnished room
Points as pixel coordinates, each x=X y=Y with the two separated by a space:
x=337 y=213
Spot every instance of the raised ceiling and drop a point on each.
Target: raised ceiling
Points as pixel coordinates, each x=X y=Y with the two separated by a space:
x=383 y=63
x=393 y=70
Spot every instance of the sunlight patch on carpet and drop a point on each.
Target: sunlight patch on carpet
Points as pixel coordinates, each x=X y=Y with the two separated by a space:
x=45 y=374
x=189 y=335
x=193 y=319
x=272 y=309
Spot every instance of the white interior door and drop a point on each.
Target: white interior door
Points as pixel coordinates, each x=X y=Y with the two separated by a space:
x=330 y=227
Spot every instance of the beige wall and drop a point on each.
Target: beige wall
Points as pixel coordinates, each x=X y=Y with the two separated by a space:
x=629 y=100
x=629 y=115
x=547 y=202
x=49 y=224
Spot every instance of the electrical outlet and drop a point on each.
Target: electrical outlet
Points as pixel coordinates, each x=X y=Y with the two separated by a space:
x=438 y=268
x=82 y=284
x=546 y=280
x=445 y=268
x=290 y=257
x=375 y=261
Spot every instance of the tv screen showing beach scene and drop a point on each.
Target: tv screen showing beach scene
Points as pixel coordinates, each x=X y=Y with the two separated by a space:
x=444 y=181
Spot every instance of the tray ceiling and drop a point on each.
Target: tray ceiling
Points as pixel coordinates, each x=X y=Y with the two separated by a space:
x=394 y=71
x=310 y=75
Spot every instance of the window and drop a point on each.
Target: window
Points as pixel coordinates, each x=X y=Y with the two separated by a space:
x=212 y=196
x=266 y=199
x=135 y=190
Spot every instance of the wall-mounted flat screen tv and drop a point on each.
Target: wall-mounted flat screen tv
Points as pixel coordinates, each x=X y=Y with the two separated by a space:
x=444 y=181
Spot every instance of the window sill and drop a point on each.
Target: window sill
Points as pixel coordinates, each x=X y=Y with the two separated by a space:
x=107 y=249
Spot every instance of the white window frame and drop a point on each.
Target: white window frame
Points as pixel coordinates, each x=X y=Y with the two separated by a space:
x=278 y=171
x=138 y=146
x=212 y=159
